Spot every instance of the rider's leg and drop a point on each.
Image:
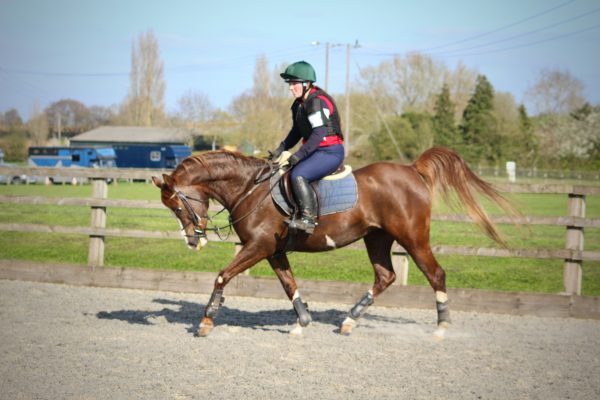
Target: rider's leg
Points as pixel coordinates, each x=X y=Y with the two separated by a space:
x=307 y=200
x=322 y=162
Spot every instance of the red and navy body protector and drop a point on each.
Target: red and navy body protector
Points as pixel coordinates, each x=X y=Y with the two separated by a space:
x=317 y=122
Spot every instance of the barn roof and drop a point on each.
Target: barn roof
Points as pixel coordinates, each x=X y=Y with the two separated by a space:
x=132 y=134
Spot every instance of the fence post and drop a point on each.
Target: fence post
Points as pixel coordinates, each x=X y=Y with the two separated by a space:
x=96 y=250
x=400 y=264
x=572 y=270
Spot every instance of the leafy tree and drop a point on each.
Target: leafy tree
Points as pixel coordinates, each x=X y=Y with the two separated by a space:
x=444 y=126
x=479 y=128
x=13 y=136
x=365 y=119
x=385 y=142
x=580 y=135
x=526 y=142
x=422 y=126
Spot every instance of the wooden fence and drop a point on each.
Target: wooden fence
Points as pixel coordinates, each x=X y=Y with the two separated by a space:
x=573 y=253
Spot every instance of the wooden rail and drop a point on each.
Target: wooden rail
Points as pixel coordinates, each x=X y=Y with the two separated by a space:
x=573 y=253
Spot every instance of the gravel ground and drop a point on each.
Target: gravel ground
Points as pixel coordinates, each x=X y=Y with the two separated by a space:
x=66 y=342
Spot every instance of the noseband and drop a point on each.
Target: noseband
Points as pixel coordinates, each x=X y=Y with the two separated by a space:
x=195 y=219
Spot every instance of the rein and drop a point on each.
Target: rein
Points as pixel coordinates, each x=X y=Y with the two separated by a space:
x=260 y=178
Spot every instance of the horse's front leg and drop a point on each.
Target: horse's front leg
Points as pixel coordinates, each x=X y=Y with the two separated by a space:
x=246 y=258
x=281 y=266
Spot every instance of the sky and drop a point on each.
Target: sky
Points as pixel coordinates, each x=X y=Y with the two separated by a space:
x=81 y=49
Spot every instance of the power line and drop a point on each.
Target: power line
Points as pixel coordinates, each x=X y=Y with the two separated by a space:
x=234 y=62
x=529 y=44
x=521 y=34
x=499 y=29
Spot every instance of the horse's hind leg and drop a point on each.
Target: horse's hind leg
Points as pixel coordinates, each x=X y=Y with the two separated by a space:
x=281 y=266
x=425 y=260
x=379 y=245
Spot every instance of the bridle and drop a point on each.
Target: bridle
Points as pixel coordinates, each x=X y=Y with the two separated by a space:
x=200 y=232
x=194 y=218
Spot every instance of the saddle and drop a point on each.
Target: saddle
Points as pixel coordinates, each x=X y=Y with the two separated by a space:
x=335 y=192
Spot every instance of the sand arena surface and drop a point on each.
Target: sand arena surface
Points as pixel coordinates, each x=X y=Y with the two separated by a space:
x=66 y=342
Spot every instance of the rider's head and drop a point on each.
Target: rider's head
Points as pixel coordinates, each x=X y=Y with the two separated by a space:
x=298 y=73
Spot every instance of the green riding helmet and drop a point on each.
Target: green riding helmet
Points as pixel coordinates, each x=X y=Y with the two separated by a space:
x=300 y=71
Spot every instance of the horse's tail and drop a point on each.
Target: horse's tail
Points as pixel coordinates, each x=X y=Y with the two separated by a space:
x=446 y=170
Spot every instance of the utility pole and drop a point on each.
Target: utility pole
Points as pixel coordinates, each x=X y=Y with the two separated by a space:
x=326 y=66
x=349 y=46
x=59 y=128
x=347 y=105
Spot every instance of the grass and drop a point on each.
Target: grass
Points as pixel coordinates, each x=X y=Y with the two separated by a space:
x=488 y=273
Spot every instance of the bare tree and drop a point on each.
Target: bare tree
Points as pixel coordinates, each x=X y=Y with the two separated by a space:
x=264 y=113
x=70 y=116
x=38 y=125
x=412 y=83
x=145 y=103
x=195 y=114
x=195 y=108
x=461 y=83
x=556 y=92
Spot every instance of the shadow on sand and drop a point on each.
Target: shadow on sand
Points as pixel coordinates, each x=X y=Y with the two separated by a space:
x=189 y=313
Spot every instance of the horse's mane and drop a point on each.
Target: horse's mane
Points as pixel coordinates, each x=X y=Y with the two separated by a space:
x=216 y=164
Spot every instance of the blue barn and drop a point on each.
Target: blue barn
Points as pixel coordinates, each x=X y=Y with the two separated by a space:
x=139 y=147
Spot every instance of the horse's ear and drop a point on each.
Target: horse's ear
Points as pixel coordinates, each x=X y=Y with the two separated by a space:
x=157 y=182
x=168 y=180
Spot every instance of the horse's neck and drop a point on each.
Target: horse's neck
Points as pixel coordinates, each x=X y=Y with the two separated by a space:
x=227 y=187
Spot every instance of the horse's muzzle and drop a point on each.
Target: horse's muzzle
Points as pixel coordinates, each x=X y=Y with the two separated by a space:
x=196 y=242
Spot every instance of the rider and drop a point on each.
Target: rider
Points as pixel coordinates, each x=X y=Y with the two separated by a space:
x=315 y=120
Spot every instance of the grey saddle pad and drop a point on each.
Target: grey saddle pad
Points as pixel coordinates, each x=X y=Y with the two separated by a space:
x=334 y=195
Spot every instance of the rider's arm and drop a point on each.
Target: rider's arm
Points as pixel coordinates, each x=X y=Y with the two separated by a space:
x=291 y=139
x=318 y=114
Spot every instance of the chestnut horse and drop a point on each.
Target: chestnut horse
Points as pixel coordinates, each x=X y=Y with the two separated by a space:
x=394 y=204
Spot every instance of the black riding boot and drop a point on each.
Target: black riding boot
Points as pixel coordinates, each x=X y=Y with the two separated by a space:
x=307 y=200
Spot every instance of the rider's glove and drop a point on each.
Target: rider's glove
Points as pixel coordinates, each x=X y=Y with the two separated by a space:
x=293 y=160
x=274 y=155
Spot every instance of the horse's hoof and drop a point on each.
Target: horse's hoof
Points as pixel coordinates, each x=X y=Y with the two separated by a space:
x=346 y=330
x=206 y=326
x=347 y=326
x=440 y=332
x=297 y=331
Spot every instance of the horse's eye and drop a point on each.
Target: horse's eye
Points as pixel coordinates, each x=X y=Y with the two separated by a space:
x=178 y=210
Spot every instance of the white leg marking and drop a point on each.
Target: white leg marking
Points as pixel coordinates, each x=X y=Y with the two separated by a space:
x=296 y=295
x=297 y=331
x=349 y=321
x=440 y=332
x=220 y=279
x=441 y=297
x=329 y=242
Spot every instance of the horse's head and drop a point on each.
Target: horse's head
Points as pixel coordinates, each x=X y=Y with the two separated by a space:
x=190 y=207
